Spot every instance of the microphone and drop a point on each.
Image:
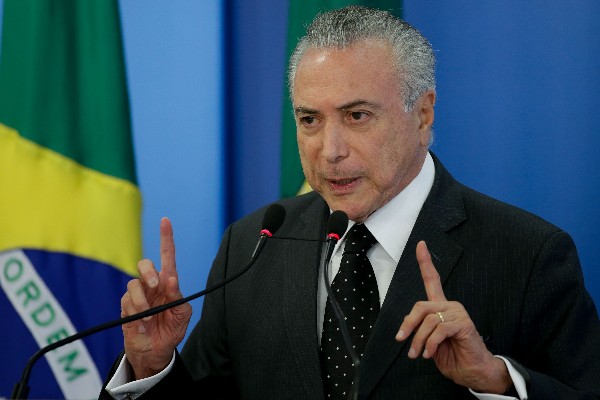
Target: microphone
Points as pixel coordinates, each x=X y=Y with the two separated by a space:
x=336 y=226
x=272 y=221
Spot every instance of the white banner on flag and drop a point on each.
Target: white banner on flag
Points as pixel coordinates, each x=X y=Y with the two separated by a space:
x=72 y=365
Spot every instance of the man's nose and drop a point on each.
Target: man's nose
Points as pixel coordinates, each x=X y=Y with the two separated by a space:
x=335 y=146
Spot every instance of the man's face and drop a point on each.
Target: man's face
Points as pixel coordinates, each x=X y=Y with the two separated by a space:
x=358 y=147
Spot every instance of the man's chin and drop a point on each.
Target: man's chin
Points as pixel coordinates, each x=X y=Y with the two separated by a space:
x=354 y=212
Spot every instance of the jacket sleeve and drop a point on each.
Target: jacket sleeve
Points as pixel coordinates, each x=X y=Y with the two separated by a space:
x=561 y=328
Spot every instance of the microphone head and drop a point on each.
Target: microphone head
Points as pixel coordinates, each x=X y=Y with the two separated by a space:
x=273 y=219
x=337 y=224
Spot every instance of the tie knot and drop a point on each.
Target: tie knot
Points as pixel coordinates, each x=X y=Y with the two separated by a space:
x=359 y=239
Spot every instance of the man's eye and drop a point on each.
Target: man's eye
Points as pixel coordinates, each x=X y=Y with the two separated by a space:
x=358 y=115
x=308 y=120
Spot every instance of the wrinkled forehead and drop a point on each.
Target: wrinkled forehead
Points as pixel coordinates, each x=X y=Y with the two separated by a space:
x=361 y=61
x=363 y=70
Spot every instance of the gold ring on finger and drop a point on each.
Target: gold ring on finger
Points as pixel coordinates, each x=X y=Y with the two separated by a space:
x=442 y=320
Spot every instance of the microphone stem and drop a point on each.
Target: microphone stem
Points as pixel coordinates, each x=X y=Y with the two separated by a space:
x=21 y=389
x=329 y=245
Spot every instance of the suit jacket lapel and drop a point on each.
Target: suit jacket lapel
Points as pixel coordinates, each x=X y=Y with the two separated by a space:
x=300 y=274
x=442 y=210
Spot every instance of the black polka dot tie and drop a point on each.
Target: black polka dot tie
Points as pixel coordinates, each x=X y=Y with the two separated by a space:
x=355 y=289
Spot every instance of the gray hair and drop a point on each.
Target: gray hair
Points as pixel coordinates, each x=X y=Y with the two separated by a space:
x=413 y=55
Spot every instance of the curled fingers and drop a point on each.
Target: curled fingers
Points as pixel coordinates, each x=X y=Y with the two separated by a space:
x=432 y=323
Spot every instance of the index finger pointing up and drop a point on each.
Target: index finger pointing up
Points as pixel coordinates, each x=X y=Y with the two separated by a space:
x=167 y=248
x=431 y=278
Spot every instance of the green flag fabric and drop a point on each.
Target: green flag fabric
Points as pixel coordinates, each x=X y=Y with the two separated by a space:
x=70 y=207
x=301 y=13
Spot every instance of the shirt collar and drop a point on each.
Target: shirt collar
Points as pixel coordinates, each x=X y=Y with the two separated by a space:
x=391 y=224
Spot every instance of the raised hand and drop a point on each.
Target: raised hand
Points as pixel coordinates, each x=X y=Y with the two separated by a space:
x=149 y=343
x=444 y=331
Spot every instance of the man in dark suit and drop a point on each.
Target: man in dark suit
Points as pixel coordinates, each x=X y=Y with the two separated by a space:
x=478 y=299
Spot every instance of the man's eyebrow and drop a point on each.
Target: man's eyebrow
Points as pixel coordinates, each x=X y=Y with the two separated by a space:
x=357 y=103
x=352 y=104
x=304 y=110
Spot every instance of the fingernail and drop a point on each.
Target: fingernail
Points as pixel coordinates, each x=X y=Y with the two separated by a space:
x=153 y=282
x=141 y=329
x=425 y=354
x=412 y=353
x=148 y=318
x=400 y=334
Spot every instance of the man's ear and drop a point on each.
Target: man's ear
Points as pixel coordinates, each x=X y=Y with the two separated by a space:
x=426 y=115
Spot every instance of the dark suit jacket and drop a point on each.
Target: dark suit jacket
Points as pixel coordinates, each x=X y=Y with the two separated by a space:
x=518 y=277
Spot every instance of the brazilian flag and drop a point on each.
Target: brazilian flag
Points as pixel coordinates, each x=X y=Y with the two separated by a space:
x=301 y=13
x=70 y=207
